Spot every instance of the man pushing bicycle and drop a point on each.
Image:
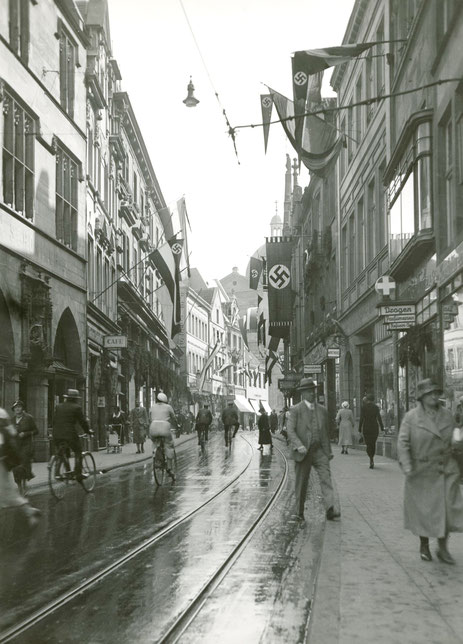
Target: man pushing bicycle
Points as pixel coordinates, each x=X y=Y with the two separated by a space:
x=68 y=417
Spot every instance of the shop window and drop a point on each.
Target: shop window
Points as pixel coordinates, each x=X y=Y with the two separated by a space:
x=66 y=199
x=452 y=317
x=18 y=157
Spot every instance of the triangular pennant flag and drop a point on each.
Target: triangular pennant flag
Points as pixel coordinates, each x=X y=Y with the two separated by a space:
x=316 y=60
x=266 y=104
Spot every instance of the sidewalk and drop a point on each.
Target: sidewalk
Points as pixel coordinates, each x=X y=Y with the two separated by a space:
x=372 y=585
x=105 y=461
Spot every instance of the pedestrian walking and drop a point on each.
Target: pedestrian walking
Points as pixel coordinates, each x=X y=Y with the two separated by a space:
x=263 y=423
x=10 y=457
x=273 y=418
x=26 y=429
x=345 y=422
x=310 y=445
x=369 y=425
x=282 y=418
x=433 y=503
x=203 y=422
x=140 y=423
x=230 y=421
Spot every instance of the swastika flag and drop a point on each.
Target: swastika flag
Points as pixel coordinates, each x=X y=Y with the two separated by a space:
x=280 y=295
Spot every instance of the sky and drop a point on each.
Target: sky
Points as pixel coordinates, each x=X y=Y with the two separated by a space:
x=239 y=46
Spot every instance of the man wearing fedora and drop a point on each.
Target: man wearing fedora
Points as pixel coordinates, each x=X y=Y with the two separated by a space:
x=433 y=503
x=68 y=417
x=310 y=445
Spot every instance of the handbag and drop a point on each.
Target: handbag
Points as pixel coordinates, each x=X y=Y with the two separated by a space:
x=361 y=439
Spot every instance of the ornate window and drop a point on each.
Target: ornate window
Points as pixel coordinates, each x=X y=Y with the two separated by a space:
x=66 y=199
x=18 y=157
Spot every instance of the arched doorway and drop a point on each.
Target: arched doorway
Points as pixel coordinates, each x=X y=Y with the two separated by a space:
x=67 y=361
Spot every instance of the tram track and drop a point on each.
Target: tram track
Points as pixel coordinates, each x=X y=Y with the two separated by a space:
x=51 y=607
x=188 y=615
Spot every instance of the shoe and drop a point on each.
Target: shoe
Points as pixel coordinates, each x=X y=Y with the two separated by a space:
x=346 y=452
x=342 y=451
x=332 y=514
x=138 y=452
x=444 y=555
x=372 y=465
x=82 y=477
x=300 y=516
x=425 y=553
x=260 y=448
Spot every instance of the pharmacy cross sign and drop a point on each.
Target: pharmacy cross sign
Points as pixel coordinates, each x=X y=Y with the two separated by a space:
x=384 y=285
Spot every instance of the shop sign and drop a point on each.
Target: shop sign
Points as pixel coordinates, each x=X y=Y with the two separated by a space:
x=397 y=309
x=410 y=319
x=101 y=401
x=115 y=342
x=333 y=352
x=398 y=326
x=312 y=368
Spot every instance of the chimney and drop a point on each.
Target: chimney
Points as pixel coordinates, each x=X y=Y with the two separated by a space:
x=235 y=269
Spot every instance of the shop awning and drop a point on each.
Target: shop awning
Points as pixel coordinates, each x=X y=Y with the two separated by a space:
x=266 y=406
x=254 y=404
x=243 y=405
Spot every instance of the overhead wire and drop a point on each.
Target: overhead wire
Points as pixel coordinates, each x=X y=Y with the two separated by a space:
x=231 y=130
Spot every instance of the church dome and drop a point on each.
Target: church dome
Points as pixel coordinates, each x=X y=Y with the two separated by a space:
x=276 y=219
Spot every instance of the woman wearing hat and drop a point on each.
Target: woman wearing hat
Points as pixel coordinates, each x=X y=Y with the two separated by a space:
x=433 y=504
x=26 y=430
x=345 y=422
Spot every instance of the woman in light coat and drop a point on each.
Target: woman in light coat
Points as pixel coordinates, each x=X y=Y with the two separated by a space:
x=345 y=422
x=433 y=504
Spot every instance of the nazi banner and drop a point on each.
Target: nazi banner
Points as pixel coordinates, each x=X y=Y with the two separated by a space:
x=280 y=295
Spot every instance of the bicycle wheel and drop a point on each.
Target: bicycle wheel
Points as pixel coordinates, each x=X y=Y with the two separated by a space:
x=57 y=479
x=89 y=469
x=159 y=466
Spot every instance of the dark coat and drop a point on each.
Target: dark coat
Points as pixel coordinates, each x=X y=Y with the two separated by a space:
x=69 y=422
x=370 y=420
x=264 y=430
x=204 y=417
x=28 y=428
x=273 y=421
x=230 y=416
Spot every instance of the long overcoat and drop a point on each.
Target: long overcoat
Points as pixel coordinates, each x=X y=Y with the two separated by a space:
x=345 y=420
x=140 y=423
x=433 y=504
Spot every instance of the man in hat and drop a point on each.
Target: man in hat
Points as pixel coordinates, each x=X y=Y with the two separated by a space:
x=26 y=430
x=68 y=417
x=229 y=420
x=310 y=445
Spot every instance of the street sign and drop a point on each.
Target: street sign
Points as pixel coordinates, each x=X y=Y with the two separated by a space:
x=333 y=352
x=312 y=368
x=384 y=285
x=411 y=319
x=397 y=309
x=115 y=342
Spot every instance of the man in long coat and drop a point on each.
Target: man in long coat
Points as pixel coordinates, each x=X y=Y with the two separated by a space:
x=310 y=445
x=26 y=429
x=433 y=504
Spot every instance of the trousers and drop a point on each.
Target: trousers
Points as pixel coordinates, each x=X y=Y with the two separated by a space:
x=370 y=443
x=317 y=458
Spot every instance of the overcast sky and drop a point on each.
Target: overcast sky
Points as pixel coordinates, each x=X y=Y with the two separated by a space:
x=244 y=43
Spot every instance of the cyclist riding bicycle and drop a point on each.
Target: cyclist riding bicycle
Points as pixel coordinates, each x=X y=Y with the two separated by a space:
x=68 y=416
x=203 y=422
x=162 y=422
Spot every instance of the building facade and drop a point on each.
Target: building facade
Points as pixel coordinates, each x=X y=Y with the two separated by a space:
x=42 y=206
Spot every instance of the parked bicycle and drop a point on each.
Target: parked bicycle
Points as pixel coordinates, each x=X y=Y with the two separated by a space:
x=164 y=462
x=62 y=474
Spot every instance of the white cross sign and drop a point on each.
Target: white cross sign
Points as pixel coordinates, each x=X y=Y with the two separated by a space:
x=384 y=285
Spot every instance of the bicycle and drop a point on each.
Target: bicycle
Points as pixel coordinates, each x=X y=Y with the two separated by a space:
x=202 y=438
x=61 y=474
x=160 y=459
